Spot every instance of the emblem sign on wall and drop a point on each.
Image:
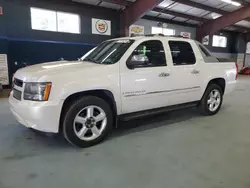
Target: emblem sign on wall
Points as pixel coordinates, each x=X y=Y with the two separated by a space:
x=186 y=35
x=101 y=27
x=136 y=29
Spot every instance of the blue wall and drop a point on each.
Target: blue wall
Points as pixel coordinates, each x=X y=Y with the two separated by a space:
x=22 y=44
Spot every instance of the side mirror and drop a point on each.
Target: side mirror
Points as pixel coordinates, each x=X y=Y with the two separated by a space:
x=137 y=61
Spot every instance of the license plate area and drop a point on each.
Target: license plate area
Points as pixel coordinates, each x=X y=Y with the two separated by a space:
x=17 y=94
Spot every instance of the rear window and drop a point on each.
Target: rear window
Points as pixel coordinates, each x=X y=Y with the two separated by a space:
x=208 y=57
x=204 y=51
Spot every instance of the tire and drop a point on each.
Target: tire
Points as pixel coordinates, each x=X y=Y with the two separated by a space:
x=205 y=103
x=92 y=131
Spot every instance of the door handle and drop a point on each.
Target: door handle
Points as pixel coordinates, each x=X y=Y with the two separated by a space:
x=195 y=71
x=163 y=74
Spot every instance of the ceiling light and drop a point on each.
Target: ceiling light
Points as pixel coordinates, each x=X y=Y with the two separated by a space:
x=165 y=4
x=227 y=1
x=235 y=3
x=215 y=15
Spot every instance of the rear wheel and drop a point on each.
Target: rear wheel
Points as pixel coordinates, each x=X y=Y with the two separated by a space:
x=212 y=100
x=87 y=122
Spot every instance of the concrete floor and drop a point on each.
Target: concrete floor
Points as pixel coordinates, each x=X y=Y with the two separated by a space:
x=177 y=150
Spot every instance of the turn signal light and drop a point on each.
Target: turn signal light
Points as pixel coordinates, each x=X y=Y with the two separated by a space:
x=47 y=91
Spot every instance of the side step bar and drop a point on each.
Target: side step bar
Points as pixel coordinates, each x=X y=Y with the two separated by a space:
x=136 y=115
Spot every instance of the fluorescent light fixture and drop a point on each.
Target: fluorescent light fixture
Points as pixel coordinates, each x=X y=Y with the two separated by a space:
x=215 y=15
x=235 y=3
x=165 y=4
x=227 y=1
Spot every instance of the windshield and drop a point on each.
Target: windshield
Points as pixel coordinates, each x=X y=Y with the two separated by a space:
x=108 y=52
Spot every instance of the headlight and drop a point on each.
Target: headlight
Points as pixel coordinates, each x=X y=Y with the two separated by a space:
x=37 y=91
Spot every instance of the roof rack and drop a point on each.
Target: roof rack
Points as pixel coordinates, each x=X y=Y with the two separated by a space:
x=156 y=35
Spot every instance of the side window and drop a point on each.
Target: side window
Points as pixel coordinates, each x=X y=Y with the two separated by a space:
x=182 y=53
x=147 y=54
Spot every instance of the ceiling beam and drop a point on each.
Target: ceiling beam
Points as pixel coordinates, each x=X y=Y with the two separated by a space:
x=204 y=7
x=119 y=2
x=243 y=2
x=195 y=18
x=223 y=21
x=178 y=14
x=201 y=6
x=162 y=20
x=241 y=29
x=135 y=11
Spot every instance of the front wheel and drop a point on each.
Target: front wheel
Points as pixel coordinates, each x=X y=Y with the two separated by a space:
x=212 y=99
x=87 y=122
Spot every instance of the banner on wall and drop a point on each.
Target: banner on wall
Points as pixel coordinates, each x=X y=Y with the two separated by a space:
x=101 y=27
x=4 y=73
x=136 y=29
x=186 y=35
x=205 y=40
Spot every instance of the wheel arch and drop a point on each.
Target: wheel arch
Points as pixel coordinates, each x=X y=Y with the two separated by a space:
x=219 y=81
x=104 y=94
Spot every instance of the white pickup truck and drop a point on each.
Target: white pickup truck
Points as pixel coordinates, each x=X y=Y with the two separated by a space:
x=121 y=78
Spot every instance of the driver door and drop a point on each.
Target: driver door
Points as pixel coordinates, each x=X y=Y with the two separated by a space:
x=145 y=78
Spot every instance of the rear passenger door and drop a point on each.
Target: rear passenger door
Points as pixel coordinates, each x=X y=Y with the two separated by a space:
x=186 y=71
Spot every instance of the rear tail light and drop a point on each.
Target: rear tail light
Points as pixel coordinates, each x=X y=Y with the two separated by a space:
x=237 y=70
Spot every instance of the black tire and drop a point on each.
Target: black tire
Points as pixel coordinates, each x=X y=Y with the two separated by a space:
x=74 y=109
x=203 y=106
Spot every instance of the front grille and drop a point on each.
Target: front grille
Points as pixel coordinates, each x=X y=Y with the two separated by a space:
x=17 y=94
x=18 y=82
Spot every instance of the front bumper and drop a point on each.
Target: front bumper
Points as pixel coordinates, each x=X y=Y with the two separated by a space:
x=42 y=116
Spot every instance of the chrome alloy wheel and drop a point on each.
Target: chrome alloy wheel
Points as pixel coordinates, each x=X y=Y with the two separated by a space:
x=90 y=123
x=214 y=100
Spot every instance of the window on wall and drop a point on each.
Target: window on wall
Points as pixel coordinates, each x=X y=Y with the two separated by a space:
x=43 y=19
x=164 y=31
x=219 y=41
x=48 y=20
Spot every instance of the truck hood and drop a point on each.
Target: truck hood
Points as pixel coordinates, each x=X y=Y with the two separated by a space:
x=34 y=72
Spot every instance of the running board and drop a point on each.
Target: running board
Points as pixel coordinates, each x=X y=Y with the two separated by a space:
x=136 y=115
